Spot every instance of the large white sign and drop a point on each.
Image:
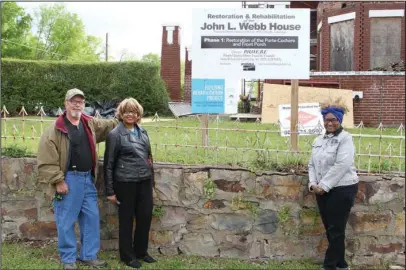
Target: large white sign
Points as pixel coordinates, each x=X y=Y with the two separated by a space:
x=251 y=43
x=310 y=119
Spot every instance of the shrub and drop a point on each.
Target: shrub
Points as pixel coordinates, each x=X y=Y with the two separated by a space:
x=15 y=151
x=34 y=83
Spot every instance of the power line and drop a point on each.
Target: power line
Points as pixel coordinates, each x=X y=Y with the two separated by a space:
x=57 y=54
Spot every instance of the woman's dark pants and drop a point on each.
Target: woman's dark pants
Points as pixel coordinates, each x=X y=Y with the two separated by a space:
x=135 y=201
x=335 y=207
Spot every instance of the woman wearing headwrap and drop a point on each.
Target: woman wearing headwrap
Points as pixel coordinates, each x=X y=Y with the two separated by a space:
x=333 y=177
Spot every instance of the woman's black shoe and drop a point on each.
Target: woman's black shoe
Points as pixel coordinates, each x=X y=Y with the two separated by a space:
x=148 y=259
x=134 y=264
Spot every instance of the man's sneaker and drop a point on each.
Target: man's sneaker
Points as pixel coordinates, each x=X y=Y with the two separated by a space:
x=70 y=266
x=95 y=263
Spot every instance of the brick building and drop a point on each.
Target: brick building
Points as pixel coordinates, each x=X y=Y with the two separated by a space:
x=359 y=36
x=353 y=38
x=346 y=37
x=383 y=94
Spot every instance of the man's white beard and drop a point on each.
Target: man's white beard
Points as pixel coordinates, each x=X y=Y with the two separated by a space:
x=76 y=114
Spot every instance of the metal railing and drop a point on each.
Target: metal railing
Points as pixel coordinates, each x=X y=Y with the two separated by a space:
x=234 y=143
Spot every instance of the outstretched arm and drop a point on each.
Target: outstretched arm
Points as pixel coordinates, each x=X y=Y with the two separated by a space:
x=102 y=128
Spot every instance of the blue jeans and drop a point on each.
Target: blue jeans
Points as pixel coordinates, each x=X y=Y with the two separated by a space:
x=79 y=204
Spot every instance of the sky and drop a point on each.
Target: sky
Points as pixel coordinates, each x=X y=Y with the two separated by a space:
x=135 y=28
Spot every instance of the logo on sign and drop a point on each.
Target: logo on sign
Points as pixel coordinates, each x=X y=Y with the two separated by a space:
x=304 y=117
x=248 y=66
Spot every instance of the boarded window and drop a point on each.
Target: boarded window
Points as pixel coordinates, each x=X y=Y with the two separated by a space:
x=385 y=41
x=342 y=46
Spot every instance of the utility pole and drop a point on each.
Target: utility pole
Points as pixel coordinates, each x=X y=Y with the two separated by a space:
x=107 y=47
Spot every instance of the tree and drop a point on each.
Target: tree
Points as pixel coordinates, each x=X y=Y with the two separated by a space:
x=151 y=58
x=61 y=36
x=17 y=41
x=91 y=49
x=125 y=55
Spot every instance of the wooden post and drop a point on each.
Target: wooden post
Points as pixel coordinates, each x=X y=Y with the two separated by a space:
x=294 y=109
x=204 y=125
x=259 y=91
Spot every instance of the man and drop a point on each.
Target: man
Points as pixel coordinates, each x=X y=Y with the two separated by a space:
x=67 y=162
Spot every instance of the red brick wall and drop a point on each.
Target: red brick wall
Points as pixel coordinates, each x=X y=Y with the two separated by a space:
x=187 y=87
x=383 y=96
x=170 y=63
x=361 y=30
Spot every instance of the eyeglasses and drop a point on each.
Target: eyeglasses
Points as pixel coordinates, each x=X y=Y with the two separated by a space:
x=130 y=113
x=77 y=102
x=332 y=120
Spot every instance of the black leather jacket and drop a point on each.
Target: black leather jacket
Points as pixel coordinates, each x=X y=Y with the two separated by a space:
x=127 y=157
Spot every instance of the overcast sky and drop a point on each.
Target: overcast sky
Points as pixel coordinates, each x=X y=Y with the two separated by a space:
x=136 y=26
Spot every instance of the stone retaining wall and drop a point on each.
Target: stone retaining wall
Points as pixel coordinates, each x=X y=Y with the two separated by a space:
x=220 y=212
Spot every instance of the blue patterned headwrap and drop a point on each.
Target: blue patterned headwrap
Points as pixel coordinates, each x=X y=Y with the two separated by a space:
x=337 y=112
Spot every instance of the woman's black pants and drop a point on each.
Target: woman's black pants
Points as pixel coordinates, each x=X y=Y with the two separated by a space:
x=135 y=201
x=335 y=207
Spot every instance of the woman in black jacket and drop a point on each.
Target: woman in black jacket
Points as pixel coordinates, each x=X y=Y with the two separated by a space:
x=129 y=179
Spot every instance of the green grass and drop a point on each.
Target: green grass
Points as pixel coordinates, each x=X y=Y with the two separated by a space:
x=180 y=141
x=42 y=255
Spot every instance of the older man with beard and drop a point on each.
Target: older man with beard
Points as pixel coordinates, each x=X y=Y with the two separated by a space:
x=67 y=162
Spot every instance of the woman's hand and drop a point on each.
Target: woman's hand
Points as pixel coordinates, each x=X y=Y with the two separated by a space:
x=312 y=188
x=319 y=190
x=113 y=199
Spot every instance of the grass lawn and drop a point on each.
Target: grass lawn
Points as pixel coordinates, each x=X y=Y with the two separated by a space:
x=247 y=144
x=42 y=255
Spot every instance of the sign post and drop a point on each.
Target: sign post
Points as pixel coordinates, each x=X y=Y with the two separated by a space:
x=294 y=117
x=204 y=125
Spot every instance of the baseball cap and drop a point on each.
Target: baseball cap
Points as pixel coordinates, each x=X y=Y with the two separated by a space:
x=74 y=92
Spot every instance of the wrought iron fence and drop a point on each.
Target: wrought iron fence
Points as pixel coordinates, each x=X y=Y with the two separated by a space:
x=218 y=141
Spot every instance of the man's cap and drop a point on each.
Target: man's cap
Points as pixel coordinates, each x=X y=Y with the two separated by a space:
x=74 y=92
